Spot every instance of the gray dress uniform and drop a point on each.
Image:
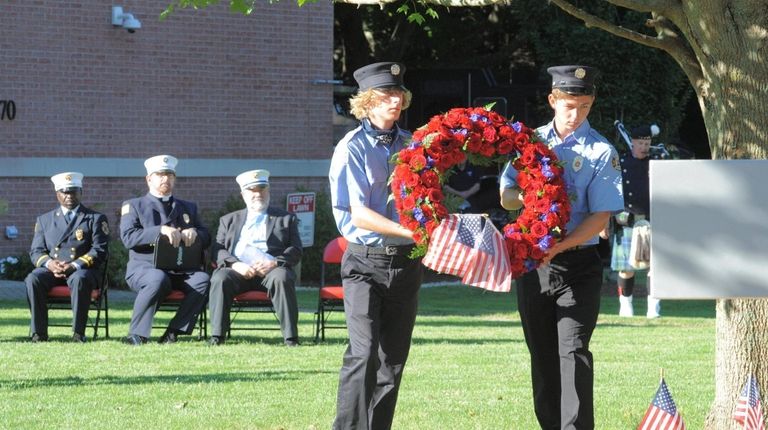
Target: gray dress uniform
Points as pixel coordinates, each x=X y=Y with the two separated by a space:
x=140 y=224
x=84 y=240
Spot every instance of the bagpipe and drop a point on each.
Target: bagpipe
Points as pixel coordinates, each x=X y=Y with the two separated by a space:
x=658 y=151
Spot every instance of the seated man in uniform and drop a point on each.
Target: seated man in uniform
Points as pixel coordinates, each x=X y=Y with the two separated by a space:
x=144 y=220
x=69 y=248
x=256 y=248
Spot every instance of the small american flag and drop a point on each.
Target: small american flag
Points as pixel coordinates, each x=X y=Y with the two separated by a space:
x=749 y=412
x=471 y=247
x=662 y=414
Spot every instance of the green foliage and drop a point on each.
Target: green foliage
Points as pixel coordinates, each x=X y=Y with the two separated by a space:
x=118 y=260
x=16 y=268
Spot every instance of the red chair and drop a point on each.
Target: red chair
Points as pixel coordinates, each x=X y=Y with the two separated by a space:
x=331 y=295
x=254 y=301
x=59 y=298
x=172 y=302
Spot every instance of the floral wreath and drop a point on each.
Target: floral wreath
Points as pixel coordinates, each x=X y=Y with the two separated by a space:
x=483 y=137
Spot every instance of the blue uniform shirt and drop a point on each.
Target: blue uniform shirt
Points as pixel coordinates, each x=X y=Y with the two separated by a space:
x=592 y=172
x=359 y=175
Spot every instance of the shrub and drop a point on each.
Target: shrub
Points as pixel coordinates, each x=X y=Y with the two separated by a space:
x=16 y=268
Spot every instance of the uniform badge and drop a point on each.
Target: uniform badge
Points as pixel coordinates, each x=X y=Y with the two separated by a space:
x=395 y=69
x=125 y=209
x=615 y=162
x=579 y=73
x=186 y=218
x=79 y=234
x=105 y=227
x=578 y=163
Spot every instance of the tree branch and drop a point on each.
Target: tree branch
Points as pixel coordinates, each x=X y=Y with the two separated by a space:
x=668 y=39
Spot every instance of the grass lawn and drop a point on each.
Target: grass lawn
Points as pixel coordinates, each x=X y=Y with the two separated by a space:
x=468 y=369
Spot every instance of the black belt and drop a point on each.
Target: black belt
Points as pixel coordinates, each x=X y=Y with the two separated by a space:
x=379 y=250
x=579 y=248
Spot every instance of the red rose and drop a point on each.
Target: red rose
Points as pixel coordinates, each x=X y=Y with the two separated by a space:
x=430 y=179
x=418 y=162
x=539 y=229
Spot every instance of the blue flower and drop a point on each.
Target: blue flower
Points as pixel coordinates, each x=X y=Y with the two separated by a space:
x=555 y=207
x=545 y=243
x=461 y=131
x=477 y=117
x=430 y=162
x=547 y=172
x=418 y=215
x=414 y=144
x=529 y=264
x=517 y=126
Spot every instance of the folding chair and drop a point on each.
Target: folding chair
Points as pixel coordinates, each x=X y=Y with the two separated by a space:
x=59 y=299
x=251 y=302
x=172 y=302
x=330 y=296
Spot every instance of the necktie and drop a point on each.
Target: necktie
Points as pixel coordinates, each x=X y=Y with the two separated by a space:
x=68 y=217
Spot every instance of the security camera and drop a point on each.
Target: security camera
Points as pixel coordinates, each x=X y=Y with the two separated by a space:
x=130 y=23
x=125 y=20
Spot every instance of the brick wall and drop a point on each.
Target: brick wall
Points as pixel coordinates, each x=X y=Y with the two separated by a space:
x=201 y=84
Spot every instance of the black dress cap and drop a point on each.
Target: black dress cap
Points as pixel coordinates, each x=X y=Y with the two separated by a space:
x=574 y=80
x=380 y=75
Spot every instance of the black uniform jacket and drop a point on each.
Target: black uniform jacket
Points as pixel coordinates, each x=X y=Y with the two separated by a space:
x=84 y=240
x=142 y=219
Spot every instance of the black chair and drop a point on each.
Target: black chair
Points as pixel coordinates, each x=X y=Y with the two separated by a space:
x=59 y=299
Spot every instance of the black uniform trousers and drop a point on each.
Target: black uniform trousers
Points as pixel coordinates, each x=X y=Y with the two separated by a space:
x=558 y=307
x=380 y=303
x=280 y=285
x=80 y=282
x=152 y=286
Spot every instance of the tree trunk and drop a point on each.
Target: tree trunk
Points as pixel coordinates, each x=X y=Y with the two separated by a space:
x=742 y=348
x=730 y=47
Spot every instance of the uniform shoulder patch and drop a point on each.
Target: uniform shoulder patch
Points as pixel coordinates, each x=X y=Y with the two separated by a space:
x=615 y=161
x=125 y=209
x=105 y=227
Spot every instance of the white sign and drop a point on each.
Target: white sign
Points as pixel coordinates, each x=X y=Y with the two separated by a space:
x=709 y=229
x=303 y=205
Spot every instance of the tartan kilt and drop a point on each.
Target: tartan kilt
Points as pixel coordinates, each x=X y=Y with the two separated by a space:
x=620 y=251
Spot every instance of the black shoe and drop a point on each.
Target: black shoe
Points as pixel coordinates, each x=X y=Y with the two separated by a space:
x=168 y=337
x=39 y=338
x=292 y=342
x=134 y=339
x=216 y=340
x=79 y=338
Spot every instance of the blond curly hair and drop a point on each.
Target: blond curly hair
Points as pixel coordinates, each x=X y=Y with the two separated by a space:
x=362 y=102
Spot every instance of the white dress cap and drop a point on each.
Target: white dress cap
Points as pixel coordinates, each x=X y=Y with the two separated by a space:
x=161 y=163
x=67 y=181
x=252 y=177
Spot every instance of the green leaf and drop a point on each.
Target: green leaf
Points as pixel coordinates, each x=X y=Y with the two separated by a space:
x=241 y=6
x=432 y=13
x=416 y=18
x=403 y=9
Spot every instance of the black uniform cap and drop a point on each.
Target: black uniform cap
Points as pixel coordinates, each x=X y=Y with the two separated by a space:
x=574 y=80
x=380 y=75
x=641 y=132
